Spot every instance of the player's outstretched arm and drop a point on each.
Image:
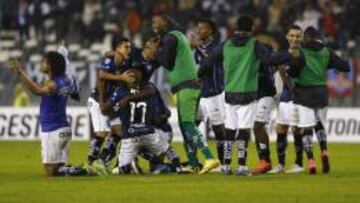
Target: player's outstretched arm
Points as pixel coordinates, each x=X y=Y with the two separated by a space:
x=338 y=63
x=48 y=88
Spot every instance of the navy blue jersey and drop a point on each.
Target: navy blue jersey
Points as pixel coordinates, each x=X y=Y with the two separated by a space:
x=213 y=79
x=286 y=94
x=138 y=116
x=108 y=65
x=147 y=67
x=53 y=107
x=266 y=82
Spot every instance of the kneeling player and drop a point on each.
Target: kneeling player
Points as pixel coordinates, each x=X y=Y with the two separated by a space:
x=138 y=115
x=55 y=129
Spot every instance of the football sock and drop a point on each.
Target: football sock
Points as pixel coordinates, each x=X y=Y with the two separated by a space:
x=262 y=141
x=94 y=148
x=198 y=139
x=242 y=141
x=71 y=171
x=281 y=145
x=228 y=146
x=298 y=145
x=307 y=143
x=109 y=150
x=190 y=148
x=219 y=131
x=173 y=157
x=321 y=136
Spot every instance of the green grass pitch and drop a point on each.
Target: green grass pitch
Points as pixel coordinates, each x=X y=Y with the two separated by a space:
x=22 y=180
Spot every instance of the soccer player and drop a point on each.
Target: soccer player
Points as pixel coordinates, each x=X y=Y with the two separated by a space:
x=265 y=105
x=175 y=54
x=242 y=55
x=212 y=102
x=310 y=93
x=110 y=73
x=140 y=118
x=55 y=129
x=285 y=116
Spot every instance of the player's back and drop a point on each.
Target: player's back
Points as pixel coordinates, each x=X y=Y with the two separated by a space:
x=138 y=116
x=53 y=107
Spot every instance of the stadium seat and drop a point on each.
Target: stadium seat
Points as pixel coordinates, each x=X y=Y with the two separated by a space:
x=35 y=58
x=93 y=57
x=32 y=43
x=51 y=47
x=74 y=47
x=7 y=44
x=4 y=56
x=97 y=47
x=16 y=53
x=84 y=53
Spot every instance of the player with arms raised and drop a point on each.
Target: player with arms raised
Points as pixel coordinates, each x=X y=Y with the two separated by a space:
x=55 y=129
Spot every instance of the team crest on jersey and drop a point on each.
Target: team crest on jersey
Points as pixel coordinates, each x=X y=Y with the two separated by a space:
x=107 y=61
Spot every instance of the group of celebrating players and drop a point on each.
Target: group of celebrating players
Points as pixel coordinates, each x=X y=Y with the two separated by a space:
x=229 y=83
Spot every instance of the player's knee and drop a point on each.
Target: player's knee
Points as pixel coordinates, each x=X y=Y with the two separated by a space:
x=319 y=126
x=296 y=130
x=219 y=131
x=307 y=130
x=259 y=127
x=116 y=130
x=230 y=134
x=102 y=134
x=282 y=129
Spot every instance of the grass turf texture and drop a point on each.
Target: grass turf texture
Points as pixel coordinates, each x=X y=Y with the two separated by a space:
x=22 y=180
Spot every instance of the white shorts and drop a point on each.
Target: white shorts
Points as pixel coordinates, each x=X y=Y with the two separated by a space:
x=130 y=147
x=264 y=108
x=98 y=120
x=115 y=121
x=286 y=114
x=308 y=117
x=55 y=146
x=240 y=116
x=212 y=108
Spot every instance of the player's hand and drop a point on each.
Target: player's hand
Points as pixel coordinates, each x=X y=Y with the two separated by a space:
x=295 y=53
x=15 y=66
x=194 y=41
x=128 y=77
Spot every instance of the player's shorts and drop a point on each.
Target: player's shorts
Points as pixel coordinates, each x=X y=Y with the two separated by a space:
x=286 y=114
x=240 y=116
x=264 y=108
x=55 y=146
x=308 y=117
x=130 y=147
x=187 y=104
x=99 y=121
x=114 y=121
x=212 y=108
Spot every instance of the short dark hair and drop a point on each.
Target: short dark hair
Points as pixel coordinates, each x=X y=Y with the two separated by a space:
x=167 y=17
x=57 y=63
x=244 y=23
x=311 y=33
x=211 y=24
x=119 y=40
x=293 y=27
